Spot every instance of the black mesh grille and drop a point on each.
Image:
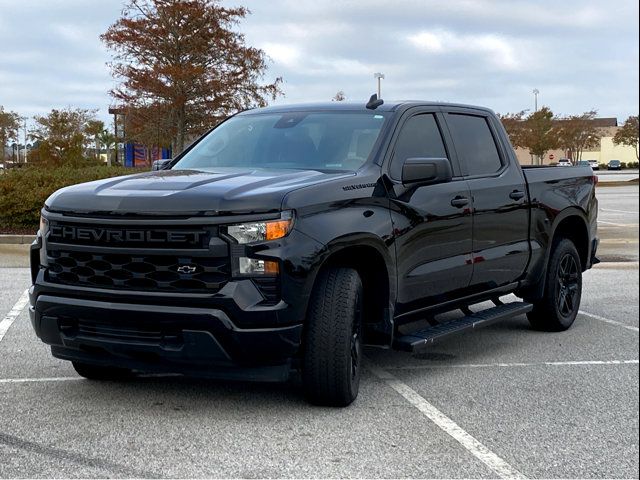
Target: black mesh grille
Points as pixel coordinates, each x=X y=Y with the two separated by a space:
x=175 y=273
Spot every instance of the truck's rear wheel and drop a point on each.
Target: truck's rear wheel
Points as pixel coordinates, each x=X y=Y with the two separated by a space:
x=98 y=372
x=332 y=358
x=558 y=308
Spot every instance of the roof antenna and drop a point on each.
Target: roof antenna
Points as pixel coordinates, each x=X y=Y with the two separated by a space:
x=374 y=102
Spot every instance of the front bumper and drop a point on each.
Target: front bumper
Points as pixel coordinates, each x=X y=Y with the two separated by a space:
x=194 y=341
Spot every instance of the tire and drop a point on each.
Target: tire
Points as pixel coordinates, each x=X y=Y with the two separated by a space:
x=98 y=372
x=558 y=308
x=332 y=357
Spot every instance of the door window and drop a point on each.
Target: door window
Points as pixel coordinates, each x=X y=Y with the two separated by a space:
x=419 y=138
x=474 y=143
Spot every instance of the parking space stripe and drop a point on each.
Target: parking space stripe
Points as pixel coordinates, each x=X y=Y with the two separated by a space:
x=618 y=224
x=609 y=321
x=617 y=211
x=499 y=466
x=38 y=380
x=519 y=364
x=13 y=313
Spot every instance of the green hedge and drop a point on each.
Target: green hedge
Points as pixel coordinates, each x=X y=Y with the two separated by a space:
x=23 y=191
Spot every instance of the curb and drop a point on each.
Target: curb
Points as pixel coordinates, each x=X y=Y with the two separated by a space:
x=17 y=239
x=627 y=183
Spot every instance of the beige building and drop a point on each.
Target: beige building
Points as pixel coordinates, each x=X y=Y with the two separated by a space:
x=607 y=151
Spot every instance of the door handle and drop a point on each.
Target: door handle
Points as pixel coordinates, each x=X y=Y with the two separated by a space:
x=459 y=201
x=516 y=195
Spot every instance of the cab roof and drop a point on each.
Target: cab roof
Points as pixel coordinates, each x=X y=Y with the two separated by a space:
x=387 y=106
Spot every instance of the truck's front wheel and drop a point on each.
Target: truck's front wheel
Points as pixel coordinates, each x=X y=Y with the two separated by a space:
x=332 y=358
x=98 y=372
x=558 y=309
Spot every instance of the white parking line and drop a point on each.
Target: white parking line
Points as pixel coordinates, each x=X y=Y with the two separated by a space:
x=13 y=313
x=618 y=224
x=608 y=320
x=500 y=467
x=39 y=380
x=617 y=211
x=519 y=364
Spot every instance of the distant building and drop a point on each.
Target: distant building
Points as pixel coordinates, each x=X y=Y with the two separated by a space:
x=607 y=151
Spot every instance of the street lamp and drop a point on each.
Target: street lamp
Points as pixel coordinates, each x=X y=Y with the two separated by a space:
x=535 y=96
x=378 y=76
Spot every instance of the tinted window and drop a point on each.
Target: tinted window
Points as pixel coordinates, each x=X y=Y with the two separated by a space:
x=419 y=138
x=474 y=144
x=293 y=140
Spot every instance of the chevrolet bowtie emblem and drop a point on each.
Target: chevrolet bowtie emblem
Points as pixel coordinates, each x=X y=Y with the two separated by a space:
x=186 y=269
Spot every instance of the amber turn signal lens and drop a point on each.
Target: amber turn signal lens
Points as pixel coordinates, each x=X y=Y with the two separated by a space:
x=277 y=229
x=271 y=268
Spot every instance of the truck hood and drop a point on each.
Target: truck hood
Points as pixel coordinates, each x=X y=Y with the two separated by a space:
x=187 y=192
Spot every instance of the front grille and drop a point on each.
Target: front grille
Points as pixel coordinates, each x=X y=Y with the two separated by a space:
x=172 y=273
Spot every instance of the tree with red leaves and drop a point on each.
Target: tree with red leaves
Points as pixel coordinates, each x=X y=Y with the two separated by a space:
x=184 y=67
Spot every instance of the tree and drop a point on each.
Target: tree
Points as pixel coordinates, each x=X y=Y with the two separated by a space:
x=339 y=97
x=93 y=129
x=628 y=134
x=187 y=60
x=514 y=125
x=9 y=126
x=108 y=139
x=577 y=133
x=540 y=134
x=61 y=135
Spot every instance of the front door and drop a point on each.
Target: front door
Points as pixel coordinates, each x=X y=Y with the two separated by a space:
x=432 y=223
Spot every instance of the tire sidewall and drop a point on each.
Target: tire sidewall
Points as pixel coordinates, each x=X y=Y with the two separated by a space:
x=565 y=247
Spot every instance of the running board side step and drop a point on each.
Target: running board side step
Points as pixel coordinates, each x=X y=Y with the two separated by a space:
x=425 y=337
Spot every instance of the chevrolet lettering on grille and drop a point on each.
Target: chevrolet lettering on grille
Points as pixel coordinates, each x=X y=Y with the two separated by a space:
x=110 y=235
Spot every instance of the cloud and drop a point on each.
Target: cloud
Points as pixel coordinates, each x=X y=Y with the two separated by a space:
x=499 y=51
x=580 y=54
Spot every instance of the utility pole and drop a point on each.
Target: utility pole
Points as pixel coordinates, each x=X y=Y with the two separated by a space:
x=24 y=125
x=378 y=76
x=535 y=106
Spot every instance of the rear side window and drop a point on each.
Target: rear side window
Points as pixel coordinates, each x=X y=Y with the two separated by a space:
x=419 y=138
x=474 y=143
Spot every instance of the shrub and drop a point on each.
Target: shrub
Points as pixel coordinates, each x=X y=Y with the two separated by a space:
x=23 y=191
x=623 y=165
x=603 y=166
x=632 y=165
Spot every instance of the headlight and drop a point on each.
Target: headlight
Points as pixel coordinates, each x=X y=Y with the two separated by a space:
x=43 y=225
x=262 y=231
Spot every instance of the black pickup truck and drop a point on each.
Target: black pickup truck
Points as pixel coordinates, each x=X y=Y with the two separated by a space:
x=287 y=238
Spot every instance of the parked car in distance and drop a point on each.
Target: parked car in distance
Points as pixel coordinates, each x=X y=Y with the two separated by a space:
x=614 y=165
x=565 y=162
x=594 y=164
x=584 y=163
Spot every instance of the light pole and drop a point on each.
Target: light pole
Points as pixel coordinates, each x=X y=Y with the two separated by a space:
x=24 y=126
x=535 y=98
x=378 y=76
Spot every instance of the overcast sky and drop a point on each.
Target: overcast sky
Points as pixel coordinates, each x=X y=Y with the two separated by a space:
x=579 y=54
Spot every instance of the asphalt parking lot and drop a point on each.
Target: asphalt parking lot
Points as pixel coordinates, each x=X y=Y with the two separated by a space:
x=506 y=401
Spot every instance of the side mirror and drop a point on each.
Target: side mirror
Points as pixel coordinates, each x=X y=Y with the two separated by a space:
x=161 y=164
x=426 y=171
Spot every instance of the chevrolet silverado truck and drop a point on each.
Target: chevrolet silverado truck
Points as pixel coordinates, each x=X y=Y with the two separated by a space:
x=289 y=237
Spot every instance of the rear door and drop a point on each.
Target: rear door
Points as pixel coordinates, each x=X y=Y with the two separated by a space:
x=432 y=223
x=500 y=203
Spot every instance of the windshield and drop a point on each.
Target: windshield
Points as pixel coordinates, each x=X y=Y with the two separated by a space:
x=333 y=141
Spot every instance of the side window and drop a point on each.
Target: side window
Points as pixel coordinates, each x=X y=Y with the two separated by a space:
x=474 y=143
x=419 y=137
